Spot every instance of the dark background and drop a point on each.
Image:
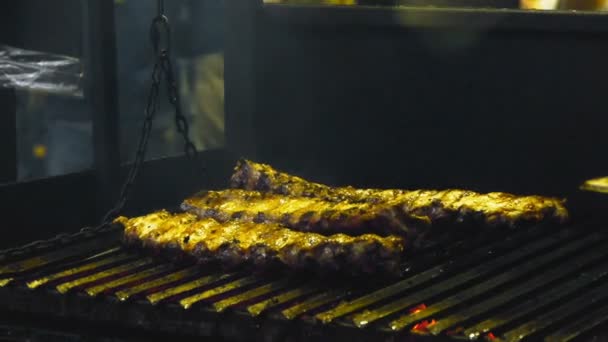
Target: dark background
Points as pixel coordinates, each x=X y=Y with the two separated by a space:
x=51 y=26
x=491 y=109
x=355 y=97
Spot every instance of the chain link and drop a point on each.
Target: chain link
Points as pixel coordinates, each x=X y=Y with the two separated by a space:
x=163 y=68
x=181 y=123
x=140 y=155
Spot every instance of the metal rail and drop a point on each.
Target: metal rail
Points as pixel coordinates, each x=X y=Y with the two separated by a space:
x=554 y=286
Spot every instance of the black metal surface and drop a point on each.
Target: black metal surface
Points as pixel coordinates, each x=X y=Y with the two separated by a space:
x=15 y=327
x=413 y=17
x=423 y=97
x=38 y=208
x=239 y=74
x=543 y=282
x=102 y=96
x=8 y=136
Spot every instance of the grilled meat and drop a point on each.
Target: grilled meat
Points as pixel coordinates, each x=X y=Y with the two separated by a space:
x=303 y=213
x=249 y=175
x=263 y=245
x=434 y=206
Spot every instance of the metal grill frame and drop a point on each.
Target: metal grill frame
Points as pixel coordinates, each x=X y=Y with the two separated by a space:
x=212 y=320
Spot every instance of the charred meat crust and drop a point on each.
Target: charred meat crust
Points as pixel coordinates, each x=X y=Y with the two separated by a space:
x=262 y=245
x=433 y=206
x=302 y=213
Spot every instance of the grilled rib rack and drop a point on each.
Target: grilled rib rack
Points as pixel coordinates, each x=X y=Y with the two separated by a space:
x=543 y=282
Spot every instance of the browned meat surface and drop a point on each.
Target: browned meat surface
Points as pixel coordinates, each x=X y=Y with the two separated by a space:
x=237 y=243
x=304 y=214
x=432 y=206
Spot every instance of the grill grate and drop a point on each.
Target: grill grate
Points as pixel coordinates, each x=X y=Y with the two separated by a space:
x=540 y=282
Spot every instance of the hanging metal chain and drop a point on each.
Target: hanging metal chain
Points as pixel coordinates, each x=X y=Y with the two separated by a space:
x=140 y=155
x=160 y=35
x=181 y=123
x=163 y=68
x=161 y=27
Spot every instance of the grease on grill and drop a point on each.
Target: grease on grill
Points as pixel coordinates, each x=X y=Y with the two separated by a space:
x=282 y=298
x=95 y=290
x=507 y=294
x=191 y=285
x=493 y=282
x=533 y=283
x=248 y=295
x=478 y=272
x=314 y=303
x=187 y=302
x=158 y=283
x=64 y=253
x=77 y=270
x=130 y=267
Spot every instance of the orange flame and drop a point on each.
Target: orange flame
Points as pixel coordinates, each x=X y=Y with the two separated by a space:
x=416 y=309
x=423 y=327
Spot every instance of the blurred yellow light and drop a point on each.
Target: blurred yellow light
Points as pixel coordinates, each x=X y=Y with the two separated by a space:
x=539 y=4
x=39 y=151
x=312 y=2
x=596 y=185
x=341 y=2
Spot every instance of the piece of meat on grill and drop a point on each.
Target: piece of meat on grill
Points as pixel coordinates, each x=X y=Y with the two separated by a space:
x=262 y=245
x=451 y=205
x=304 y=214
x=249 y=175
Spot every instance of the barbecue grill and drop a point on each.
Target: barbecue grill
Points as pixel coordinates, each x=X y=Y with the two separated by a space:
x=287 y=64
x=540 y=282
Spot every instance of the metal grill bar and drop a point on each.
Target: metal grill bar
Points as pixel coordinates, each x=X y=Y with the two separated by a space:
x=580 y=326
x=65 y=287
x=570 y=308
x=500 y=288
x=126 y=293
x=187 y=302
x=83 y=268
x=503 y=278
x=349 y=307
x=481 y=271
x=506 y=296
x=550 y=296
x=259 y=308
x=248 y=295
x=32 y=263
x=95 y=290
x=314 y=303
x=191 y=285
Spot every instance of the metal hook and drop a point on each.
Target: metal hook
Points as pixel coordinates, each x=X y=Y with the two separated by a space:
x=161 y=8
x=160 y=26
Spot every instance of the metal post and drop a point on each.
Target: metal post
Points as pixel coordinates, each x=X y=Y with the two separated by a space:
x=102 y=96
x=8 y=136
x=239 y=71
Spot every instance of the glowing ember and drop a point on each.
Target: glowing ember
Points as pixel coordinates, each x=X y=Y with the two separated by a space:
x=423 y=327
x=490 y=336
x=417 y=308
